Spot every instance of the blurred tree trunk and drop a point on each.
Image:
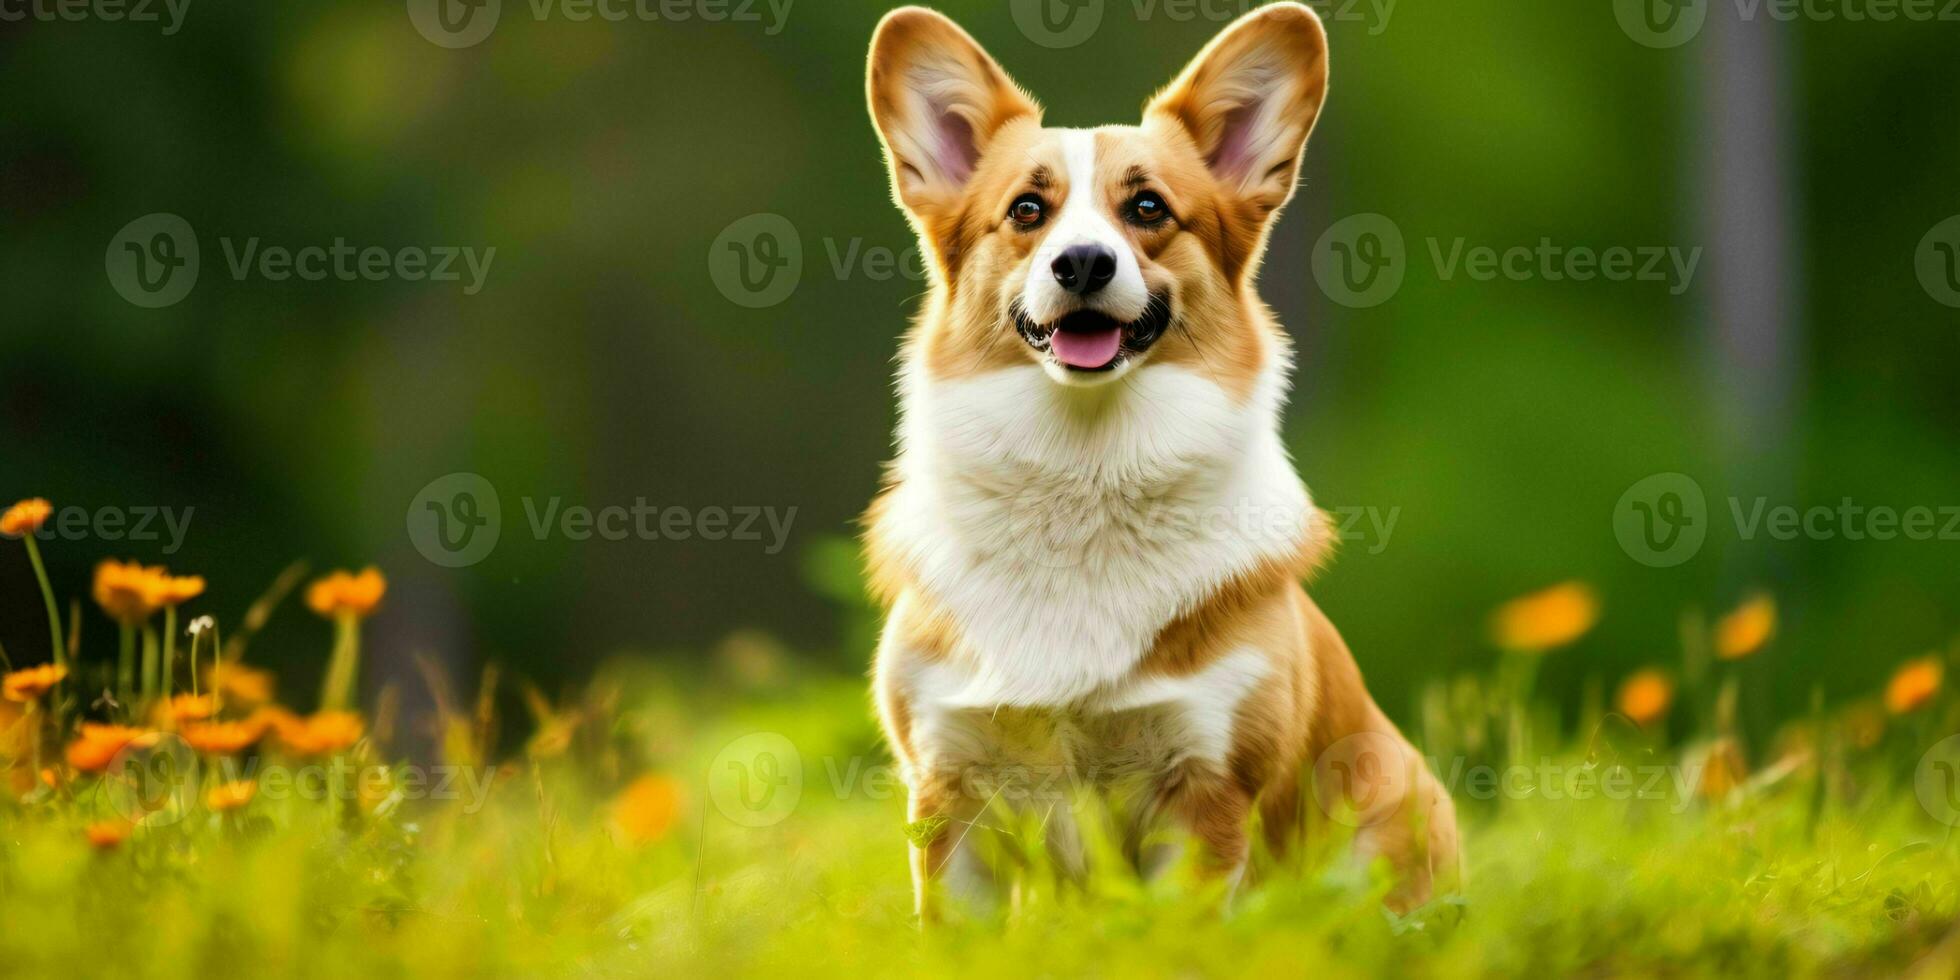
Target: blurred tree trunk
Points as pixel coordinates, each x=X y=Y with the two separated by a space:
x=1746 y=176
x=1753 y=330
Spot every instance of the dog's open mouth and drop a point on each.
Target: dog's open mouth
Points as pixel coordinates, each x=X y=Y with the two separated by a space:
x=1090 y=341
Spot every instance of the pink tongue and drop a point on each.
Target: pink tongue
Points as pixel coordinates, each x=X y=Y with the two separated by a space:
x=1087 y=348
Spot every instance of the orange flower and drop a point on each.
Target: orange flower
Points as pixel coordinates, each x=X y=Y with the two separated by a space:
x=1914 y=686
x=97 y=745
x=128 y=592
x=271 y=717
x=644 y=812
x=175 y=590
x=345 y=593
x=1745 y=630
x=1723 y=769
x=231 y=796
x=1547 y=619
x=245 y=685
x=27 y=685
x=323 y=733
x=187 y=707
x=221 y=737
x=106 y=835
x=1645 y=697
x=25 y=518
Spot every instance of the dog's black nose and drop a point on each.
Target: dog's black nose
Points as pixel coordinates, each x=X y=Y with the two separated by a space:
x=1085 y=269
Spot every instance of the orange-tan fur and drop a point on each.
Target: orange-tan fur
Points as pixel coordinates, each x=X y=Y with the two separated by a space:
x=1240 y=638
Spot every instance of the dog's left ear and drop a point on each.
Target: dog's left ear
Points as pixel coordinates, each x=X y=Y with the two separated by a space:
x=1250 y=98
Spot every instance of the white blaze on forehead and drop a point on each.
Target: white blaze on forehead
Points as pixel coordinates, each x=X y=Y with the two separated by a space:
x=1084 y=219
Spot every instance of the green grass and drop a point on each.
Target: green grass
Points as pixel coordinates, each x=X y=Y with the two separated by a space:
x=1790 y=878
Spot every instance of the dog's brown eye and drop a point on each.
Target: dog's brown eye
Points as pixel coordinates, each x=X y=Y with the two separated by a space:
x=1026 y=211
x=1148 y=209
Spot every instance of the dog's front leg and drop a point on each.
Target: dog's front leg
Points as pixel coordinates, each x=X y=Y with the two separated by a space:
x=941 y=815
x=1214 y=809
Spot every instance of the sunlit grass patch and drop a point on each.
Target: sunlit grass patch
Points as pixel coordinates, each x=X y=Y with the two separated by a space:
x=745 y=820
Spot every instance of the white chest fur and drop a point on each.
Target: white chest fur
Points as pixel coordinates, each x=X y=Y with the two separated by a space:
x=1062 y=528
x=1134 y=732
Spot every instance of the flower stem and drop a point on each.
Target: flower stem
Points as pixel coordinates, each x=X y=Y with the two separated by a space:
x=169 y=648
x=34 y=737
x=338 y=690
x=47 y=598
x=1695 y=659
x=149 y=663
x=126 y=666
x=217 y=659
x=1521 y=673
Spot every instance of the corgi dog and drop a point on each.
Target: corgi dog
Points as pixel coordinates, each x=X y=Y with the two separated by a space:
x=1092 y=540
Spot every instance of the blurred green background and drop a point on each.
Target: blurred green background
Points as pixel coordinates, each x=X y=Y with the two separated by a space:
x=1498 y=422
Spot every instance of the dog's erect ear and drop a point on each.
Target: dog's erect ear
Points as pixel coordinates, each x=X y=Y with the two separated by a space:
x=1250 y=98
x=938 y=99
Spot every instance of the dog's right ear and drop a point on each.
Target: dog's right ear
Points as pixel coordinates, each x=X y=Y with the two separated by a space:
x=938 y=99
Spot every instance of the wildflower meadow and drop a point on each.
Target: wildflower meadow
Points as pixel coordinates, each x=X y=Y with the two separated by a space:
x=171 y=811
